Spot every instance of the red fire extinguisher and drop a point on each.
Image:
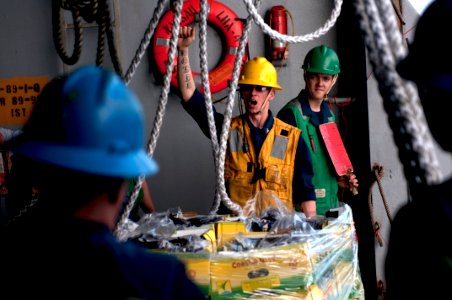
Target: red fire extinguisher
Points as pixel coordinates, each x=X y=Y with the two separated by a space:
x=278 y=22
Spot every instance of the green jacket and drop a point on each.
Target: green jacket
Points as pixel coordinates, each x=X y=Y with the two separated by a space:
x=325 y=179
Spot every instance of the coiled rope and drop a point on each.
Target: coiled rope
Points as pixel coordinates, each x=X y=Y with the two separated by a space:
x=57 y=34
x=400 y=99
x=90 y=11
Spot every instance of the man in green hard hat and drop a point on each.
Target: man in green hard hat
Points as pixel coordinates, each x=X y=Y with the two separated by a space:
x=310 y=109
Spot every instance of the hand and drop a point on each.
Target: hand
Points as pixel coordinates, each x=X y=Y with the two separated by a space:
x=348 y=181
x=186 y=37
x=308 y=207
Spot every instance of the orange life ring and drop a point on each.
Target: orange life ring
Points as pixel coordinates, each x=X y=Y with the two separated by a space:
x=222 y=18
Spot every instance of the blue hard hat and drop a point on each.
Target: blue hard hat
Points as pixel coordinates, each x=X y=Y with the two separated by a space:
x=91 y=123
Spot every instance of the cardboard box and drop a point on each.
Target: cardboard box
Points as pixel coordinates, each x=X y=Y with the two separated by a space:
x=198 y=268
x=226 y=231
x=239 y=274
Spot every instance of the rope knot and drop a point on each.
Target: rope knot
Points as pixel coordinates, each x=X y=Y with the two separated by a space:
x=378 y=171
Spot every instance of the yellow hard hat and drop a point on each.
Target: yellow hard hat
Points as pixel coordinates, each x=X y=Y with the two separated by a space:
x=259 y=71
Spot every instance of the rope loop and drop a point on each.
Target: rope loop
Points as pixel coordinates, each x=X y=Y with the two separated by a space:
x=252 y=10
x=88 y=9
x=57 y=31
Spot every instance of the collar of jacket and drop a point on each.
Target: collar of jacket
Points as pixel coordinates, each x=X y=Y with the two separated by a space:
x=267 y=125
x=325 y=112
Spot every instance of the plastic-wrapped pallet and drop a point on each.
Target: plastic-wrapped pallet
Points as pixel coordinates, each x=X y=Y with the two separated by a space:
x=311 y=264
x=275 y=253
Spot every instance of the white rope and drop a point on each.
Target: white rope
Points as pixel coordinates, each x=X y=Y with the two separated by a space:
x=227 y=120
x=128 y=208
x=220 y=185
x=127 y=77
x=252 y=10
x=219 y=150
x=400 y=99
x=145 y=41
x=204 y=12
x=167 y=77
x=163 y=100
x=221 y=194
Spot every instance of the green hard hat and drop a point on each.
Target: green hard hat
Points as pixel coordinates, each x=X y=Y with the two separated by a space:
x=322 y=60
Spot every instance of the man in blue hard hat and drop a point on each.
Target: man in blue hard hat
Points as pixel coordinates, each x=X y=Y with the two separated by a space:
x=85 y=139
x=419 y=256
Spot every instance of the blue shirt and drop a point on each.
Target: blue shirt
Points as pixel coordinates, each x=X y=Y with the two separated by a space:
x=302 y=186
x=70 y=258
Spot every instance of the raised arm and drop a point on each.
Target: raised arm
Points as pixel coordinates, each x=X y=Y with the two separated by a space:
x=184 y=73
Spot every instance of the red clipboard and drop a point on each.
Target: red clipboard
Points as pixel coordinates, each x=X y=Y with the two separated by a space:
x=336 y=149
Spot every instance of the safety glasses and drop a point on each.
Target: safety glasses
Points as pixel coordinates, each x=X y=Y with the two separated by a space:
x=249 y=88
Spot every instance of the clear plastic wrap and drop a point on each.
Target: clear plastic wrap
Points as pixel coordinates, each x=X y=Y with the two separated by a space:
x=274 y=252
x=303 y=264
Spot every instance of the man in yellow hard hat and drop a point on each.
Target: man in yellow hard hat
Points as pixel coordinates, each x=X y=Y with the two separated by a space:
x=264 y=153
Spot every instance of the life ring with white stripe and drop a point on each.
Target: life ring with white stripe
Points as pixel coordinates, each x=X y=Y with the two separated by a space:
x=222 y=18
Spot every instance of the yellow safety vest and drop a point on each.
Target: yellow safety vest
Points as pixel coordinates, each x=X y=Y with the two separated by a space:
x=246 y=173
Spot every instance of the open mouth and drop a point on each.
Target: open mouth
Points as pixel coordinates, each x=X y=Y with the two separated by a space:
x=251 y=102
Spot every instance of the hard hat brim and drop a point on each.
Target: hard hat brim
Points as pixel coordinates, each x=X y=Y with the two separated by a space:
x=93 y=161
x=321 y=71
x=259 y=82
